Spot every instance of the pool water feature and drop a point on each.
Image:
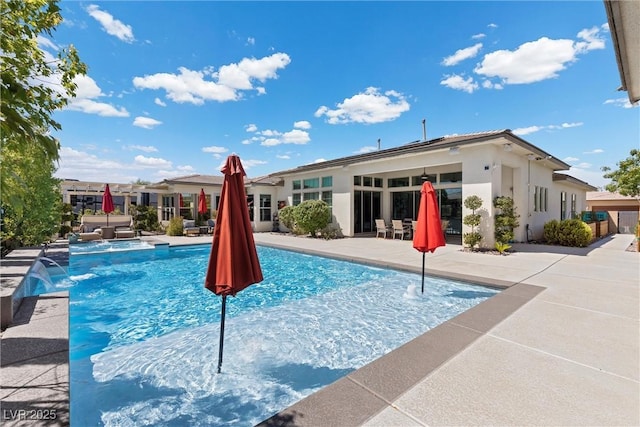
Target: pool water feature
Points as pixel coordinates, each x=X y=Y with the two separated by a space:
x=101 y=246
x=144 y=333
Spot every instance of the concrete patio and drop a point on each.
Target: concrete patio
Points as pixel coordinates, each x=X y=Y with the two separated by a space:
x=560 y=346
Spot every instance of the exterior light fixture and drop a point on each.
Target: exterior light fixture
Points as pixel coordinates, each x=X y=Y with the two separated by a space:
x=424 y=177
x=531 y=156
x=454 y=151
x=507 y=147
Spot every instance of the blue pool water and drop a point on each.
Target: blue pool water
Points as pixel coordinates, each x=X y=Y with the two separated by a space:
x=144 y=333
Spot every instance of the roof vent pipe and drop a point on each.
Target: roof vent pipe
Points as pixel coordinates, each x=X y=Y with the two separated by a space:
x=378 y=143
x=424 y=129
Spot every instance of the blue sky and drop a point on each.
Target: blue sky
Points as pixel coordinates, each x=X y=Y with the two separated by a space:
x=174 y=87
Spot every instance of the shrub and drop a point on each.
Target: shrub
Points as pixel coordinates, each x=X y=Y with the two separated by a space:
x=144 y=218
x=175 y=227
x=502 y=247
x=568 y=232
x=505 y=221
x=329 y=232
x=550 y=233
x=286 y=217
x=311 y=216
x=574 y=232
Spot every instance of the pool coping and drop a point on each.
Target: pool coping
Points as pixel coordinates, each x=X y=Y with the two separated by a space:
x=361 y=395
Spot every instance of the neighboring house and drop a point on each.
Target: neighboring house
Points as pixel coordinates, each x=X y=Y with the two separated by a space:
x=386 y=184
x=623 y=210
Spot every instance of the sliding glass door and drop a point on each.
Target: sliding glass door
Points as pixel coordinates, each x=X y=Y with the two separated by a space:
x=367 y=207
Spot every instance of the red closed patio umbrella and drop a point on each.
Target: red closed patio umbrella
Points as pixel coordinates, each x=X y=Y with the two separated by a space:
x=202 y=202
x=428 y=235
x=107 y=202
x=180 y=201
x=233 y=262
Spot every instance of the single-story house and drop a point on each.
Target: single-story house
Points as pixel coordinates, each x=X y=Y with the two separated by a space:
x=386 y=184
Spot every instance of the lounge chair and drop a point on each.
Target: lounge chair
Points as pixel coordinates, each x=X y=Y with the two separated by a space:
x=382 y=228
x=399 y=229
x=189 y=228
x=212 y=225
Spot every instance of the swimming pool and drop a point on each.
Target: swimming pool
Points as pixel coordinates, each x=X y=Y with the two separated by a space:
x=144 y=333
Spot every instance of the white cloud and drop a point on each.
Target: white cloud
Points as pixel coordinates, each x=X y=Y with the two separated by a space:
x=530 y=62
x=270 y=142
x=151 y=162
x=620 y=102
x=570 y=159
x=45 y=43
x=320 y=160
x=302 y=124
x=159 y=102
x=492 y=25
x=112 y=26
x=146 y=122
x=462 y=54
x=248 y=164
x=596 y=151
x=583 y=165
x=251 y=127
x=251 y=41
x=478 y=36
x=455 y=81
x=295 y=136
x=283 y=156
x=592 y=40
x=532 y=129
x=145 y=148
x=538 y=60
x=75 y=164
x=90 y=106
x=269 y=132
x=86 y=92
x=366 y=149
x=527 y=130
x=370 y=106
x=246 y=141
x=214 y=149
x=196 y=87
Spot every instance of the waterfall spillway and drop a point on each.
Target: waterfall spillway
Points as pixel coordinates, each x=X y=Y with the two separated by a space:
x=39 y=271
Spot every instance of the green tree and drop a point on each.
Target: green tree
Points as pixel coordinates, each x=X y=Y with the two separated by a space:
x=626 y=179
x=34 y=86
x=472 y=220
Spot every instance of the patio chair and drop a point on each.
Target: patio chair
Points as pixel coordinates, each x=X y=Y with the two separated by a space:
x=445 y=225
x=399 y=229
x=382 y=228
x=212 y=225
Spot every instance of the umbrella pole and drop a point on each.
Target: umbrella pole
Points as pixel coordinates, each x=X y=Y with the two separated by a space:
x=224 y=306
x=423 y=272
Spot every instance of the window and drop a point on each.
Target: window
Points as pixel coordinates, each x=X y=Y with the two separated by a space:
x=265 y=207
x=367 y=181
x=327 y=181
x=356 y=180
x=296 y=199
x=296 y=184
x=574 y=207
x=377 y=182
x=327 y=197
x=563 y=205
x=536 y=199
x=545 y=199
x=311 y=183
x=417 y=180
x=310 y=196
x=450 y=177
x=398 y=182
x=250 y=206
